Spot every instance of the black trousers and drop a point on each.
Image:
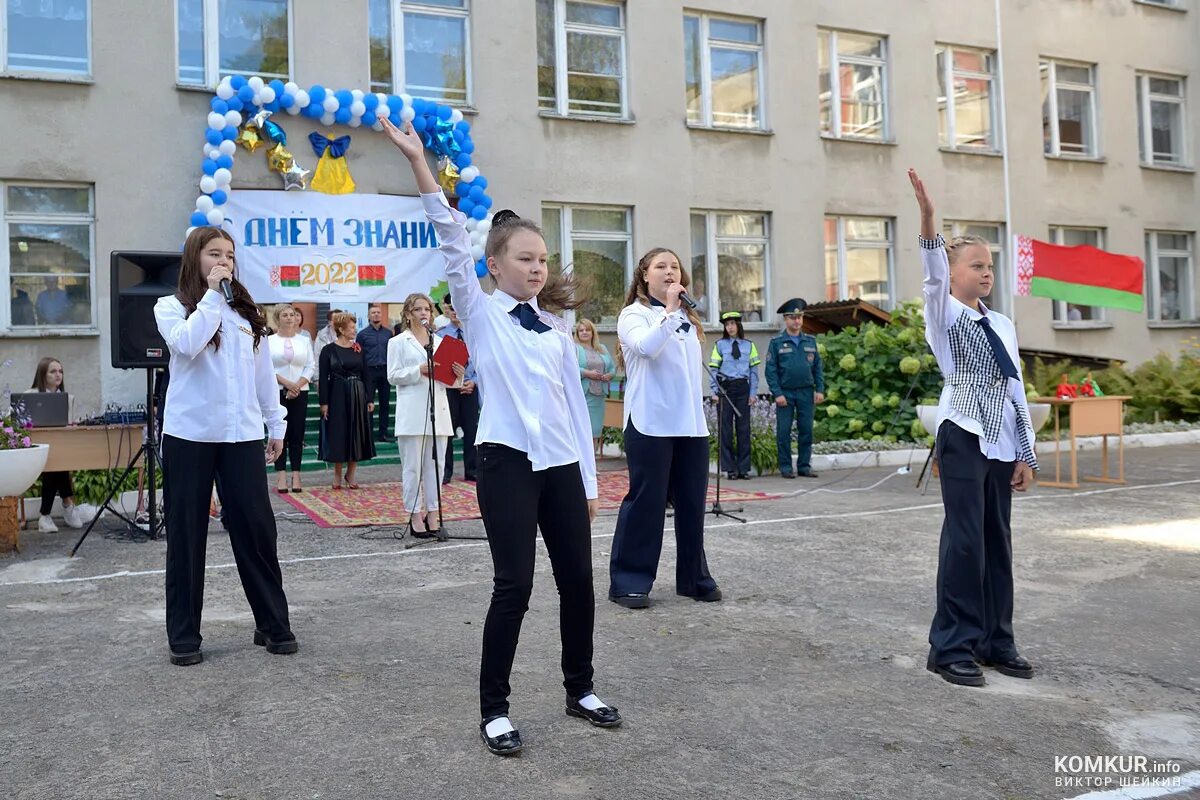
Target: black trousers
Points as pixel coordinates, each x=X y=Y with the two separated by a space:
x=662 y=466
x=975 y=576
x=739 y=395
x=293 y=440
x=464 y=413
x=515 y=501
x=55 y=484
x=189 y=469
x=377 y=382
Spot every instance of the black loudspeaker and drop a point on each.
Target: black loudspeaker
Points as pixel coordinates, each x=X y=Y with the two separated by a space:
x=137 y=280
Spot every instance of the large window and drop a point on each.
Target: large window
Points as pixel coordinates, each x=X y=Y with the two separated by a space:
x=227 y=37
x=1071 y=313
x=966 y=98
x=1069 y=109
x=1162 y=123
x=421 y=47
x=1171 y=277
x=581 y=58
x=723 y=63
x=731 y=254
x=993 y=232
x=852 y=71
x=47 y=239
x=51 y=37
x=598 y=246
x=858 y=259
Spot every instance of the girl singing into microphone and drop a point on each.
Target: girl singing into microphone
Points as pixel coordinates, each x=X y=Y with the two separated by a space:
x=535 y=462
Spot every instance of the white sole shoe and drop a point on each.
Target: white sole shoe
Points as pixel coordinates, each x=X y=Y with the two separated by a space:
x=46 y=525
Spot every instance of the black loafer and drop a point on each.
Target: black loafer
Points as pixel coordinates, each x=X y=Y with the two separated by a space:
x=809 y=474
x=606 y=717
x=631 y=600
x=284 y=647
x=506 y=744
x=787 y=475
x=961 y=673
x=713 y=596
x=743 y=476
x=186 y=659
x=1014 y=667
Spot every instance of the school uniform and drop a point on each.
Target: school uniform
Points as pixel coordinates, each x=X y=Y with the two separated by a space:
x=983 y=428
x=464 y=413
x=292 y=358
x=734 y=369
x=217 y=403
x=535 y=465
x=414 y=436
x=666 y=446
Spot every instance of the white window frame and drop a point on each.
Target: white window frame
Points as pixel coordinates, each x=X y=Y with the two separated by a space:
x=835 y=89
x=1189 y=314
x=948 y=75
x=1051 y=65
x=712 y=265
x=1146 y=148
x=566 y=247
x=397 y=9
x=562 y=100
x=19 y=72
x=760 y=47
x=843 y=282
x=34 y=331
x=1059 y=316
x=1001 y=281
x=212 y=45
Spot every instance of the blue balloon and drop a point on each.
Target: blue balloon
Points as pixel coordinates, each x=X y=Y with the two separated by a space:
x=463 y=125
x=317 y=93
x=476 y=193
x=213 y=136
x=219 y=197
x=313 y=110
x=395 y=120
x=418 y=124
x=218 y=105
x=462 y=189
x=485 y=202
x=198 y=219
x=287 y=100
x=481 y=182
x=465 y=205
x=272 y=106
x=230 y=133
x=209 y=166
x=467 y=147
x=458 y=135
x=481 y=270
x=369 y=118
x=479 y=212
x=370 y=102
x=444 y=113
x=246 y=94
x=277 y=85
x=225 y=162
x=344 y=97
x=419 y=107
x=462 y=160
x=234 y=104
x=237 y=82
x=342 y=116
x=395 y=103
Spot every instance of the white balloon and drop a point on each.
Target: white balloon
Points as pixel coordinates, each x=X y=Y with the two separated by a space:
x=382 y=98
x=331 y=104
x=188 y=232
x=456 y=116
x=355 y=122
x=233 y=118
x=223 y=177
x=225 y=91
x=357 y=95
x=357 y=109
x=327 y=119
x=293 y=109
x=216 y=120
x=227 y=147
x=213 y=153
x=302 y=100
x=470 y=224
x=291 y=87
x=377 y=126
x=477 y=251
x=216 y=216
x=204 y=204
x=267 y=95
x=485 y=225
x=256 y=83
x=208 y=184
x=470 y=173
x=406 y=99
x=407 y=114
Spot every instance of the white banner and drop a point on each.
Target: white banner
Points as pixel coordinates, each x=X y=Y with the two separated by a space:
x=319 y=248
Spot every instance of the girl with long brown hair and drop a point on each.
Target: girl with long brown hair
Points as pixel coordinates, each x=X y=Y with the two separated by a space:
x=222 y=393
x=49 y=377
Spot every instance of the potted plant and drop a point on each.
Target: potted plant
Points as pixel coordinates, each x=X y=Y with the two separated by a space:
x=21 y=461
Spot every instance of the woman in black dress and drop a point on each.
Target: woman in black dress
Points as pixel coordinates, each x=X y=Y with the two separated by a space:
x=345 y=412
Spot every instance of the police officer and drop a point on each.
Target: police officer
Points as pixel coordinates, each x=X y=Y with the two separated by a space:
x=734 y=365
x=796 y=379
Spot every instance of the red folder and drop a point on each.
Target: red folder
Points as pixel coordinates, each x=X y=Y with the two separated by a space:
x=450 y=352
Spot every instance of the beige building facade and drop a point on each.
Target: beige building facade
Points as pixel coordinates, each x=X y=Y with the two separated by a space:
x=766 y=141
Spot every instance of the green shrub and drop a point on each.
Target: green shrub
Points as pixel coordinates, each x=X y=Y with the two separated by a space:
x=93 y=485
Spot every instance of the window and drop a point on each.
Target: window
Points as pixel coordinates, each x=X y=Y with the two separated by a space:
x=858 y=259
x=49 y=38
x=1069 y=109
x=581 y=58
x=853 y=85
x=421 y=47
x=1161 y=119
x=730 y=264
x=1170 y=277
x=723 y=71
x=47 y=235
x=1071 y=313
x=966 y=98
x=227 y=37
x=993 y=232
x=599 y=247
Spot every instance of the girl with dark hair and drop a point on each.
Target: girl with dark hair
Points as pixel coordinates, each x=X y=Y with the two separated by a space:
x=48 y=377
x=535 y=463
x=222 y=392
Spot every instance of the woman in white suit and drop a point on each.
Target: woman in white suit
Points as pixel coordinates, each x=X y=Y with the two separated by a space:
x=408 y=371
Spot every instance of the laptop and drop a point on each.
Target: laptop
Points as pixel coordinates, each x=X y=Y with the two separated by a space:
x=44 y=409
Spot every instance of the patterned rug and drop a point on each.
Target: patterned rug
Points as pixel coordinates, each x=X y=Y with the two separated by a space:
x=381 y=504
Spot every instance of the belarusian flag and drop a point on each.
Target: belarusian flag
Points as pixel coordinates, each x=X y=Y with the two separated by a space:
x=372 y=275
x=1083 y=275
x=289 y=275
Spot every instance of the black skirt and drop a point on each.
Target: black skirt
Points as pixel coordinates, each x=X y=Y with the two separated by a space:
x=346 y=433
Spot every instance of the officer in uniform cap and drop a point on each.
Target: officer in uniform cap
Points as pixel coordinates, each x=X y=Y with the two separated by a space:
x=796 y=379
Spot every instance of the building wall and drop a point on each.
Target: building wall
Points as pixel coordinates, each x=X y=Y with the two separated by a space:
x=134 y=135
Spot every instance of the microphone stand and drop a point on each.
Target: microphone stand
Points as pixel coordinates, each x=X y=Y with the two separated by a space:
x=437 y=470
x=717 y=509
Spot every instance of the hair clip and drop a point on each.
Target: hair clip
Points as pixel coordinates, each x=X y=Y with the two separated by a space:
x=504 y=216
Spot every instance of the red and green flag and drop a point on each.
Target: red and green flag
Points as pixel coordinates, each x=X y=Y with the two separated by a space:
x=289 y=275
x=1083 y=275
x=372 y=275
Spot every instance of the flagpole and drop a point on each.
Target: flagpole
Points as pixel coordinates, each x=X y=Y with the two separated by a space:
x=1011 y=250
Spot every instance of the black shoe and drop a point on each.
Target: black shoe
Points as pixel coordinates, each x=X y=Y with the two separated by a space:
x=606 y=717
x=1014 y=666
x=387 y=439
x=469 y=478
x=631 y=600
x=445 y=481
x=713 y=596
x=962 y=673
x=731 y=476
x=790 y=476
x=809 y=474
x=186 y=659
x=743 y=476
x=283 y=647
x=506 y=744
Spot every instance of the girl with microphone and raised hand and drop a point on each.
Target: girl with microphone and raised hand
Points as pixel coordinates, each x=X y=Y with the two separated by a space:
x=535 y=464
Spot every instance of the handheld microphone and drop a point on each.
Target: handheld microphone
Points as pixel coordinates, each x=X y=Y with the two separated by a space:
x=227 y=290
x=687 y=301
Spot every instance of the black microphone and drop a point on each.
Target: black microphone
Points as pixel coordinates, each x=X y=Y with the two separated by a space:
x=687 y=301
x=227 y=290
x=428 y=344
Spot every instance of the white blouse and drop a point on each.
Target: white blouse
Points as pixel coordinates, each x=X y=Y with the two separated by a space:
x=405 y=355
x=224 y=395
x=664 y=385
x=302 y=363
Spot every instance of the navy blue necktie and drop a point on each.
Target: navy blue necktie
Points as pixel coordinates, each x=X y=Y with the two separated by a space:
x=1007 y=368
x=685 y=327
x=529 y=318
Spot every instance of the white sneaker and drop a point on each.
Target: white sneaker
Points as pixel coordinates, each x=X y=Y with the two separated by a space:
x=72 y=516
x=46 y=525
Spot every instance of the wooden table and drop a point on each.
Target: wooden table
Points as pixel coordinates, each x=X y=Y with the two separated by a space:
x=89 y=446
x=1088 y=416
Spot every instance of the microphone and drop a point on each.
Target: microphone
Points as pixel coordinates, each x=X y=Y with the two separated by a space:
x=687 y=301
x=227 y=290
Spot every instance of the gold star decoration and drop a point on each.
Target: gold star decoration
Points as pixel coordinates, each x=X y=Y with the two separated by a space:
x=447 y=176
x=249 y=138
x=279 y=159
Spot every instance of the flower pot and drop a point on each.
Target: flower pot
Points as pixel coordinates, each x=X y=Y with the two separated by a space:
x=20 y=468
x=1038 y=414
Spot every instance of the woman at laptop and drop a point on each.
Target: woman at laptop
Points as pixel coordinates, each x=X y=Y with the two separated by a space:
x=49 y=378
